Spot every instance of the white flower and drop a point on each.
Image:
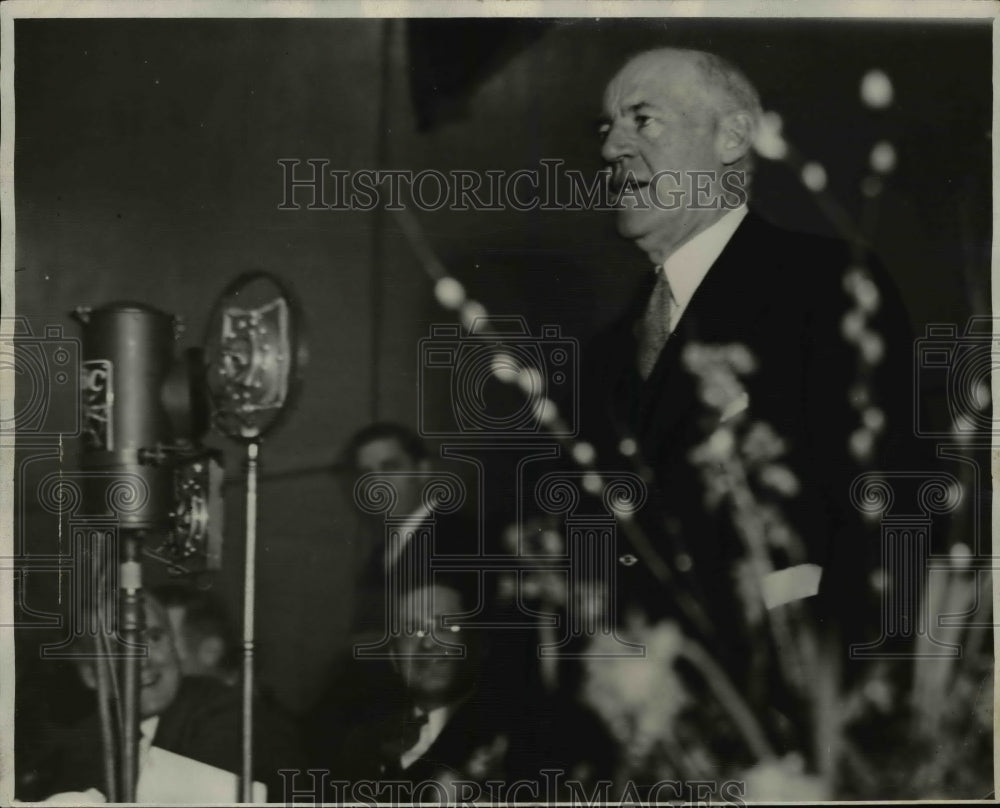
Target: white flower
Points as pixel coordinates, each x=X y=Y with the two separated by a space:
x=769 y=143
x=867 y=294
x=472 y=311
x=872 y=347
x=879 y=693
x=740 y=358
x=784 y=780
x=551 y=542
x=761 y=444
x=583 y=453
x=721 y=444
x=592 y=483
x=720 y=388
x=814 y=176
x=883 y=157
x=780 y=478
x=628 y=447
x=861 y=443
x=638 y=698
x=717 y=487
x=874 y=419
x=530 y=381
x=449 y=292
x=851 y=278
x=694 y=356
x=779 y=535
x=876 y=89
x=546 y=411
x=853 y=325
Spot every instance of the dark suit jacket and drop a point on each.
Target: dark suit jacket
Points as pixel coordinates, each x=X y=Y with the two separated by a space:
x=782 y=295
x=372 y=751
x=202 y=723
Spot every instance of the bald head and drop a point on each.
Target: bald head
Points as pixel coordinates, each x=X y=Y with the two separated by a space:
x=700 y=81
x=678 y=132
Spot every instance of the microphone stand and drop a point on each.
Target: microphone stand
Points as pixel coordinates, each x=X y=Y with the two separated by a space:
x=132 y=625
x=253 y=356
x=249 y=594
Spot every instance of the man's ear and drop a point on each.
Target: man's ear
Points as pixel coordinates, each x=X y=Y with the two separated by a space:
x=734 y=137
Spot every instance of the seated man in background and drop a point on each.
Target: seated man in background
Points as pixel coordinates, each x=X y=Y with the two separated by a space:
x=356 y=692
x=446 y=720
x=401 y=454
x=205 y=637
x=197 y=717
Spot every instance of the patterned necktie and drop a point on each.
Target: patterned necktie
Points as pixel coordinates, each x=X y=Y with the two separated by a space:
x=653 y=329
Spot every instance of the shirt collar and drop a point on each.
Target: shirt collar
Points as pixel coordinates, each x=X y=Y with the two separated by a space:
x=688 y=265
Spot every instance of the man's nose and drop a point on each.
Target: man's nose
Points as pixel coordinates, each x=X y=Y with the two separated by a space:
x=617 y=144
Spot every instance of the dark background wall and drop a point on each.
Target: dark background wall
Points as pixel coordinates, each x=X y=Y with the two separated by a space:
x=146 y=169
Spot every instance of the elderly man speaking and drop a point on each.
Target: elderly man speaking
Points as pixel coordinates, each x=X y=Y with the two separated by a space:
x=738 y=377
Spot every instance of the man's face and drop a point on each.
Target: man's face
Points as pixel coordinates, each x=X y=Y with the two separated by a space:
x=432 y=680
x=161 y=668
x=388 y=455
x=657 y=120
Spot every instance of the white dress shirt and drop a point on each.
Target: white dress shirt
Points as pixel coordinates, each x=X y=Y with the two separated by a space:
x=687 y=267
x=429 y=731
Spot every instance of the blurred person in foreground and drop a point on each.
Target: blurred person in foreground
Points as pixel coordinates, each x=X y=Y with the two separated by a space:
x=203 y=630
x=196 y=717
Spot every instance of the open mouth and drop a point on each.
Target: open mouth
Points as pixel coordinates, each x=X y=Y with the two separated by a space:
x=627 y=182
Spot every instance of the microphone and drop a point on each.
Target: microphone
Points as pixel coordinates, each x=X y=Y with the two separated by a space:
x=128 y=351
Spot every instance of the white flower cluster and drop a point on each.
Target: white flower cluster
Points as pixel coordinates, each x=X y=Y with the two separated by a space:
x=738 y=452
x=718 y=368
x=539 y=537
x=871 y=349
x=638 y=698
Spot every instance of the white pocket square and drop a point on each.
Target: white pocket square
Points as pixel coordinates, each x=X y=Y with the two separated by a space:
x=735 y=407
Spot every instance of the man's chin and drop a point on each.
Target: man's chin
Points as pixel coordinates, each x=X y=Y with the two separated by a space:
x=633 y=224
x=647 y=227
x=154 y=702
